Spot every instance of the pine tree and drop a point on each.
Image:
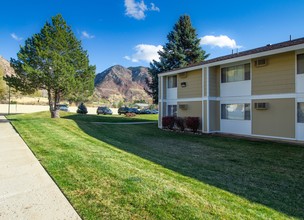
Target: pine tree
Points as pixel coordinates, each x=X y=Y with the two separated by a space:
x=182 y=49
x=53 y=60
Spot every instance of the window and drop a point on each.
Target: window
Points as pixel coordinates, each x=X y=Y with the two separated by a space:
x=172 y=82
x=235 y=111
x=172 y=110
x=235 y=73
x=300 y=63
x=300 y=112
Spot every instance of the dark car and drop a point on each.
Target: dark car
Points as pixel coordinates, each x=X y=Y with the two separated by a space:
x=145 y=111
x=123 y=110
x=104 y=111
x=134 y=110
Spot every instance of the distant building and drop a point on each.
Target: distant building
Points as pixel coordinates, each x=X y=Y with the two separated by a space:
x=259 y=92
x=141 y=105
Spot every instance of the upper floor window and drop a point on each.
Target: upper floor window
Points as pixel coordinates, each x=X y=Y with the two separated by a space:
x=172 y=82
x=300 y=63
x=235 y=111
x=235 y=73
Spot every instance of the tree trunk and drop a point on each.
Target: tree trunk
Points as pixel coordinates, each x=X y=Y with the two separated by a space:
x=53 y=105
x=55 y=114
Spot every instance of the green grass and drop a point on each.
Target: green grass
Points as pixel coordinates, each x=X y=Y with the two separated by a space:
x=141 y=172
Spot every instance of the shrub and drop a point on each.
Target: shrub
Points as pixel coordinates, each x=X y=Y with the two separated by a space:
x=193 y=123
x=168 y=122
x=82 y=109
x=130 y=114
x=180 y=123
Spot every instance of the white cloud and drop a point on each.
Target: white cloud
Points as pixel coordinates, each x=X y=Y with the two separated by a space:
x=145 y=52
x=219 y=41
x=137 y=9
x=86 y=35
x=154 y=8
x=15 y=37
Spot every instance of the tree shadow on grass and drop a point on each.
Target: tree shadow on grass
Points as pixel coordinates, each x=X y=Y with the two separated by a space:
x=264 y=172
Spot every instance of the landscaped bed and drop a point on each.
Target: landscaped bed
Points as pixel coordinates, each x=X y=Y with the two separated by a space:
x=142 y=172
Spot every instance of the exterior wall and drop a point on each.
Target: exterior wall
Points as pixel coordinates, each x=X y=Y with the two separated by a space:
x=214 y=81
x=233 y=89
x=277 y=77
x=193 y=87
x=299 y=126
x=205 y=128
x=194 y=109
x=205 y=82
x=277 y=121
x=160 y=113
x=215 y=115
x=236 y=126
x=164 y=109
x=164 y=87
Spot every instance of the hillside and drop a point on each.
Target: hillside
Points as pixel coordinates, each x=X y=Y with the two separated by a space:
x=118 y=83
x=5 y=66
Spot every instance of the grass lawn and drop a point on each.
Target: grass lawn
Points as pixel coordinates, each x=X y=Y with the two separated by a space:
x=141 y=172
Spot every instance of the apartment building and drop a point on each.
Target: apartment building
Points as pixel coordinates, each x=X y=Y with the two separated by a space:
x=259 y=92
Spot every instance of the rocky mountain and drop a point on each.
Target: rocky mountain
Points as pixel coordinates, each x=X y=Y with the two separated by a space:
x=118 y=83
x=5 y=66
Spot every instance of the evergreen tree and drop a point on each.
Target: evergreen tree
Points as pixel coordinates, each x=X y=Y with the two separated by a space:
x=53 y=60
x=182 y=49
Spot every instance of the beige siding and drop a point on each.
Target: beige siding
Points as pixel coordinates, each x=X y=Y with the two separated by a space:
x=193 y=82
x=214 y=81
x=214 y=113
x=205 y=116
x=278 y=76
x=194 y=109
x=278 y=120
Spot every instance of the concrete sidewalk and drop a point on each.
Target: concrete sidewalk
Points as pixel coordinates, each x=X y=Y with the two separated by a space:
x=26 y=190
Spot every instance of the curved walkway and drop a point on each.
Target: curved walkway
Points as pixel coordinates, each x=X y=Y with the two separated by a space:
x=26 y=190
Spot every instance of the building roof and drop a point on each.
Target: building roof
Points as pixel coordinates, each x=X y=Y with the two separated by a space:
x=257 y=50
x=266 y=48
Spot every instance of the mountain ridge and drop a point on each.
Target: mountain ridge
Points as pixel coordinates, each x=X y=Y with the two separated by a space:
x=118 y=83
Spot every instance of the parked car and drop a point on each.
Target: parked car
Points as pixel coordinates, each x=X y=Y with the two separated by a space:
x=154 y=111
x=63 y=107
x=123 y=110
x=104 y=111
x=145 y=111
x=134 y=110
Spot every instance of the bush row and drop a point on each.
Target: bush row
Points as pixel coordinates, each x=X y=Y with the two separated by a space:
x=191 y=123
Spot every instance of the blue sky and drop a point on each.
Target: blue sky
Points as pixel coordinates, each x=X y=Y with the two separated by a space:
x=130 y=32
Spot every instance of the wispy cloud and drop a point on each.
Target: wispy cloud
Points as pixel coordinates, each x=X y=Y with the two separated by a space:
x=15 y=37
x=145 y=52
x=154 y=8
x=138 y=10
x=219 y=41
x=86 y=35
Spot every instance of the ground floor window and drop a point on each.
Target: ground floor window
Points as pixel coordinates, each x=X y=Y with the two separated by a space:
x=235 y=111
x=172 y=110
x=300 y=112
